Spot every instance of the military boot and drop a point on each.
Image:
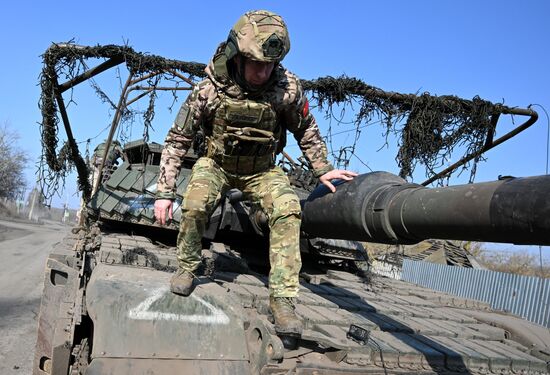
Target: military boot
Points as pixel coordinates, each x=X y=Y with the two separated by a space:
x=182 y=283
x=286 y=321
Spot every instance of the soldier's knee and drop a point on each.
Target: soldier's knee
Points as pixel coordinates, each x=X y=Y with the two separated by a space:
x=286 y=206
x=192 y=224
x=194 y=213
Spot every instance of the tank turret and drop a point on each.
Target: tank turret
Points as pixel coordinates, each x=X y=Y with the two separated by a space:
x=381 y=207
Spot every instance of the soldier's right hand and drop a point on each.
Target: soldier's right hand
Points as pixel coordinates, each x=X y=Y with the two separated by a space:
x=161 y=206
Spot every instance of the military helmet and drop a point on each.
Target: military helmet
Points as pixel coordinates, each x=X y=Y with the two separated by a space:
x=259 y=35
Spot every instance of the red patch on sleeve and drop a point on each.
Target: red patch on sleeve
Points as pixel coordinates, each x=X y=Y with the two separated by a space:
x=305 y=110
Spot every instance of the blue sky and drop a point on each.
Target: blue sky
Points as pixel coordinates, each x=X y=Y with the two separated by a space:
x=495 y=49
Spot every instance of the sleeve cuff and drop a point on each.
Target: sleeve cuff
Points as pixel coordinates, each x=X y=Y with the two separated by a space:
x=319 y=172
x=165 y=195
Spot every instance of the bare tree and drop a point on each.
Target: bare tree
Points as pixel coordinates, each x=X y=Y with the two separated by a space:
x=12 y=164
x=516 y=262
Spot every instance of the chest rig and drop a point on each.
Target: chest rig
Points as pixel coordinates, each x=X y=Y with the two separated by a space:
x=245 y=135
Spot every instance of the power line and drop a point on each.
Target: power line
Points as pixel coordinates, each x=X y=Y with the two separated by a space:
x=345 y=131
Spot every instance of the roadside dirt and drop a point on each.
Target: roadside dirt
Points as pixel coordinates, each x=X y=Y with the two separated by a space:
x=9 y=233
x=24 y=248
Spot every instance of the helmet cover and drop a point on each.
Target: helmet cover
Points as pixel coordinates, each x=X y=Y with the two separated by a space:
x=259 y=35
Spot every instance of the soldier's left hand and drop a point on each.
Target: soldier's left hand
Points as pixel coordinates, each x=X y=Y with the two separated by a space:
x=340 y=174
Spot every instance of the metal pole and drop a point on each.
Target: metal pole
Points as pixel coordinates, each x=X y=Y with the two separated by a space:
x=116 y=119
x=79 y=162
x=91 y=73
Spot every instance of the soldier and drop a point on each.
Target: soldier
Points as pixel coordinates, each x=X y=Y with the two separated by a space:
x=244 y=108
x=115 y=152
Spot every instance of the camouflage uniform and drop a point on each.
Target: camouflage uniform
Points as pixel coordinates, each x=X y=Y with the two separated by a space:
x=115 y=152
x=244 y=129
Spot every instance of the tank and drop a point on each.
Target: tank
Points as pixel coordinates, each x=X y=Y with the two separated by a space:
x=106 y=306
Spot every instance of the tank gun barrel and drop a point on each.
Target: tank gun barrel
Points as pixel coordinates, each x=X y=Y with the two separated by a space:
x=381 y=207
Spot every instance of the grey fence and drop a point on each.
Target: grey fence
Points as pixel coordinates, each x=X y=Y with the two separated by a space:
x=525 y=296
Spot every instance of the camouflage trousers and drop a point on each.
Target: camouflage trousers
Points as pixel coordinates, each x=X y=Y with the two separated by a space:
x=271 y=190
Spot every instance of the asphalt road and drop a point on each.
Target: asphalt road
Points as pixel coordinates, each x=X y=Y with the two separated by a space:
x=24 y=249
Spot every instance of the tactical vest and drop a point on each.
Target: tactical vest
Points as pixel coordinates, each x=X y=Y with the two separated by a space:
x=244 y=135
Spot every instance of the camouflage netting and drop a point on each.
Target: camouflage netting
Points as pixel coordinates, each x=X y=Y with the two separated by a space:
x=429 y=127
x=434 y=125
x=68 y=61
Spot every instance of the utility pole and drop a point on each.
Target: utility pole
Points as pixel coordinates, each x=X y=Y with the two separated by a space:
x=33 y=200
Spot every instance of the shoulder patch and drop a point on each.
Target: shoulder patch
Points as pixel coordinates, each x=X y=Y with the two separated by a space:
x=305 y=109
x=183 y=115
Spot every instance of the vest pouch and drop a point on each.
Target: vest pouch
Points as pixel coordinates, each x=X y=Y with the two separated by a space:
x=243 y=140
x=248 y=141
x=240 y=164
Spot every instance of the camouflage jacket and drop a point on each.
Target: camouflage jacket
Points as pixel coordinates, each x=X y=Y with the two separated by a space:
x=115 y=152
x=285 y=94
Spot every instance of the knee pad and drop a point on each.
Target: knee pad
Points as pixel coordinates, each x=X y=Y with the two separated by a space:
x=194 y=214
x=286 y=206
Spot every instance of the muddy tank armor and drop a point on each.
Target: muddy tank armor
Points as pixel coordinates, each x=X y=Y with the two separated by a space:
x=107 y=308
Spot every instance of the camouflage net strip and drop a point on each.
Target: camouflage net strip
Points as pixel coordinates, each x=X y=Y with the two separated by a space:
x=67 y=61
x=434 y=125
